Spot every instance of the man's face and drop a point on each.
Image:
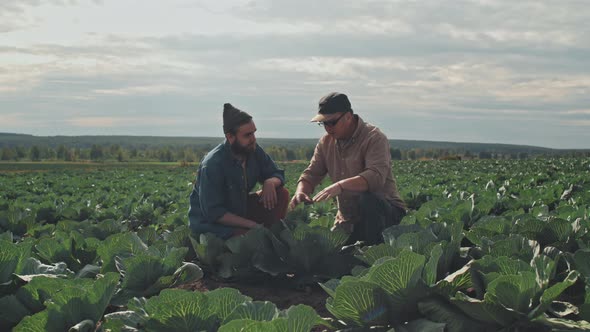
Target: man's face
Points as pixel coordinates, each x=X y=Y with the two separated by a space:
x=337 y=125
x=244 y=141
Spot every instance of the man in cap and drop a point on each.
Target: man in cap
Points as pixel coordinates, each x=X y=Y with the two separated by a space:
x=221 y=202
x=356 y=157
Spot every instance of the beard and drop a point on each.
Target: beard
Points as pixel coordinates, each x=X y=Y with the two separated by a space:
x=242 y=150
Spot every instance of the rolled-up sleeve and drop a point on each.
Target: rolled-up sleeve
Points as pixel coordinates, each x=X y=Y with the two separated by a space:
x=211 y=196
x=377 y=162
x=316 y=170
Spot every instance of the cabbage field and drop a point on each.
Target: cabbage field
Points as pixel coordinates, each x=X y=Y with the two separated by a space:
x=488 y=245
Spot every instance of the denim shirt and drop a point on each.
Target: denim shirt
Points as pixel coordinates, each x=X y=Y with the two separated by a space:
x=223 y=186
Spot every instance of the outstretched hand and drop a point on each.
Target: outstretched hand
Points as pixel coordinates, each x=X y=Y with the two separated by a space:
x=299 y=197
x=328 y=192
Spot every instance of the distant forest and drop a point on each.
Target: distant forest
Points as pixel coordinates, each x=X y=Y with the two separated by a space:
x=20 y=147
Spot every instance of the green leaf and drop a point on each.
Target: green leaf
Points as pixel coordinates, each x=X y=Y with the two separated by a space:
x=490 y=314
x=119 y=245
x=58 y=249
x=488 y=268
x=559 y=324
x=186 y=273
x=35 y=323
x=430 y=269
x=441 y=311
x=398 y=274
x=360 y=303
x=546 y=231
x=33 y=266
x=299 y=318
x=178 y=238
x=513 y=291
x=7 y=236
x=563 y=309
x=180 y=311
x=585 y=307
x=88 y=271
x=459 y=280
x=129 y=319
x=148 y=235
x=225 y=301
x=330 y=286
x=371 y=254
x=552 y=293
x=146 y=275
x=247 y=325
x=390 y=234
x=12 y=257
x=76 y=300
x=514 y=246
x=582 y=263
x=256 y=310
x=544 y=269
x=140 y=272
x=84 y=326
x=489 y=226
x=208 y=248
x=12 y=311
x=421 y=325
x=310 y=253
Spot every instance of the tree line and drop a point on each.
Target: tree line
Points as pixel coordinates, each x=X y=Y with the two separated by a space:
x=189 y=154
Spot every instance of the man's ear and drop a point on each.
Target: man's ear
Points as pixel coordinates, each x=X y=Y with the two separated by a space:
x=230 y=138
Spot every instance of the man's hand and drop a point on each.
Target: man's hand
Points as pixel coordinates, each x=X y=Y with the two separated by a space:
x=299 y=197
x=347 y=227
x=268 y=196
x=328 y=192
x=257 y=226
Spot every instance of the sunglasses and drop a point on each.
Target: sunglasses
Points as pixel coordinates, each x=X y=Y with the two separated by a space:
x=331 y=123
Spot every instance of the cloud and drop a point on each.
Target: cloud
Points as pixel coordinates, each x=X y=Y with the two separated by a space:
x=578 y=112
x=140 y=90
x=454 y=65
x=576 y=123
x=109 y=121
x=12 y=120
x=16 y=14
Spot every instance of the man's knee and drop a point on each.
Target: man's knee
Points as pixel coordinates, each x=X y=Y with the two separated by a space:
x=369 y=202
x=282 y=194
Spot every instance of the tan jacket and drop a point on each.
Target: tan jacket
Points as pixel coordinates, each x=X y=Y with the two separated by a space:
x=366 y=154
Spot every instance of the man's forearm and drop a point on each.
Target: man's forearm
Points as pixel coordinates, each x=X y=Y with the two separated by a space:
x=233 y=220
x=304 y=187
x=355 y=183
x=275 y=181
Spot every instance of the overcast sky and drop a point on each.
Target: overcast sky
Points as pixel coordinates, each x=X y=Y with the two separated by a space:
x=515 y=72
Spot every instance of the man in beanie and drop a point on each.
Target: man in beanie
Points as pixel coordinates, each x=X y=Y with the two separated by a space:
x=221 y=202
x=356 y=157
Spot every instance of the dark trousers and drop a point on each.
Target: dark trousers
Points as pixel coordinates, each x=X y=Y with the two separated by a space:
x=258 y=213
x=376 y=215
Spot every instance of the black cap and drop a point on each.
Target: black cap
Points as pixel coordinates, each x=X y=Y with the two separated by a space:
x=331 y=103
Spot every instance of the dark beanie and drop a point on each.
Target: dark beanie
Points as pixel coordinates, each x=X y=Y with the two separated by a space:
x=233 y=118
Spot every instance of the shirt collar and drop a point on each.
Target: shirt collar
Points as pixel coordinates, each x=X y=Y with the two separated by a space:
x=360 y=126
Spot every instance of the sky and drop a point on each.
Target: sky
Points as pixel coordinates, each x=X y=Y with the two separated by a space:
x=513 y=72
